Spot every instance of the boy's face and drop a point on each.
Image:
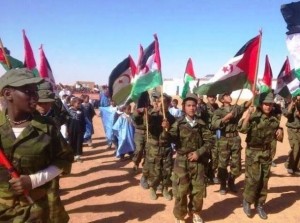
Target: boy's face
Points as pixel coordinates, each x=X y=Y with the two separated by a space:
x=211 y=99
x=227 y=99
x=190 y=108
x=174 y=104
x=77 y=104
x=43 y=107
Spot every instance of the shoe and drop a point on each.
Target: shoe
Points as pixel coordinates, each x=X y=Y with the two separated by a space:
x=231 y=185
x=297 y=172
x=216 y=180
x=197 y=219
x=135 y=168
x=274 y=164
x=261 y=213
x=166 y=194
x=247 y=208
x=179 y=221
x=159 y=188
x=143 y=182
x=223 y=190
x=153 y=195
x=290 y=171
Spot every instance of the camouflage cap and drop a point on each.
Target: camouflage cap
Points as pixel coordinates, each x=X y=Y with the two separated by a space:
x=45 y=85
x=190 y=96
x=18 y=78
x=266 y=97
x=220 y=96
x=46 y=96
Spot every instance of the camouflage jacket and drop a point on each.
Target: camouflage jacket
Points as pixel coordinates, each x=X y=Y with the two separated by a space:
x=39 y=145
x=293 y=121
x=230 y=126
x=189 y=139
x=260 y=129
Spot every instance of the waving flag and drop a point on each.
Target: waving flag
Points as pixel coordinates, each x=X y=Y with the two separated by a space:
x=284 y=77
x=29 y=61
x=119 y=82
x=7 y=61
x=238 y=73
x=266 y=83
x=189 y=75
x=291 y=15
x=149 y=75
x=45 y=69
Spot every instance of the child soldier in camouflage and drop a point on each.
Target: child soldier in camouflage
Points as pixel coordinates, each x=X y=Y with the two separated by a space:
x=226 y=120
x=159 y=153
x=193 y=140
x=36 y=150
x=262 y=128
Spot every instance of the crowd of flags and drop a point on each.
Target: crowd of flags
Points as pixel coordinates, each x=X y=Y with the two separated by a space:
x=127 y=82
x=8 y=62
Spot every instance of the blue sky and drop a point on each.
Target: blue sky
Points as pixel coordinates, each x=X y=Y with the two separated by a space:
x=85 y=40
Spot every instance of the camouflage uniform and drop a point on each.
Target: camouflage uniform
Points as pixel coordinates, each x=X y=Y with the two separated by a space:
x=158 y=160
x=229 y=144
x=39 y=146
x=293 y=129
x=188 y=177
x=213 y=164
x=139 y=137
x=260 y=134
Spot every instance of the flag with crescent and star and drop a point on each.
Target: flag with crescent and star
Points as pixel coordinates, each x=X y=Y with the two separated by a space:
x=284 y=78
x=266 y=82
x=119 y=82
x=7 y=61
x=149 y=75
x=238 y=73
x=189 y=75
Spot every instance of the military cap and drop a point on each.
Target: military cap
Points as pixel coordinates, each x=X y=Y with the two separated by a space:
x=200 y=97
x=220 y=97
x=155 y=94
x=291 y=15
x=190 y=96
x=45 y=85
x=18 y=78
x=266 y=97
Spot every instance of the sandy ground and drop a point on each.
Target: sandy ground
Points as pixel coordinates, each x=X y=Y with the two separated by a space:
x=103 y=189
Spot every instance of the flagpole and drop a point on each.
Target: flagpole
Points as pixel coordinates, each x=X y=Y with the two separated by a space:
x=257 y=65
x=4 y=54
x=238 y=98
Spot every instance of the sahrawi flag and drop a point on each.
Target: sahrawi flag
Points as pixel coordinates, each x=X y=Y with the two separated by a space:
x=284 y=77
x=266 y=82
x=45 y=69
x=189 y=75
x=291 y=15
x=29 y=60
x=237 y=73
x=119 y=82
x=7 y=61
x=149 y=75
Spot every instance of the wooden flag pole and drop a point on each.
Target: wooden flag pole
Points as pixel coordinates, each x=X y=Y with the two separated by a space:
x=239 y=96
x=162 y=102
x=257 y=65
x=4 y=54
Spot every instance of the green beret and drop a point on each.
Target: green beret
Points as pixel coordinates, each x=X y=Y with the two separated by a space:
x=266 y=97
x=46 y=96
x=18 y=78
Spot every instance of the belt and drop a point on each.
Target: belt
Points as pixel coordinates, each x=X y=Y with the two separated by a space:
x=140 y=131
x=295 y=130
x=260 y=148
x=230 y=134
x=158 y=143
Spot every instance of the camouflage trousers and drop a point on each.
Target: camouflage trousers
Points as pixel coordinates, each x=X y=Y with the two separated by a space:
x=293 y=160
x=158 y=165
x=212 y=164
x=140 y=143
x=188 y=180
x=257 y=173
x=229 y=153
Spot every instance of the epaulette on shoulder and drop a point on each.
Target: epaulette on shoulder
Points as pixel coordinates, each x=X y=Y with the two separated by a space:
x=201 y=121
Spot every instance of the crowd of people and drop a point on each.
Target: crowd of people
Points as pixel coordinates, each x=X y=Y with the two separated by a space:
x=188 y=149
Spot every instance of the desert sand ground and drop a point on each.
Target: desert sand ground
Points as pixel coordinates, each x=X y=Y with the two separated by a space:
x=103 y=189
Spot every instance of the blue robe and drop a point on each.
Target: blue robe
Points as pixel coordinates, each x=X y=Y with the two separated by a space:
x=108 y=119
x=124 y=131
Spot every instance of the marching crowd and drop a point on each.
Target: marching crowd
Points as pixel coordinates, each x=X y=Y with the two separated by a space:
x=199 y=145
